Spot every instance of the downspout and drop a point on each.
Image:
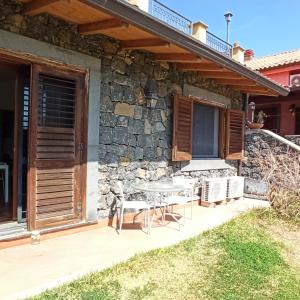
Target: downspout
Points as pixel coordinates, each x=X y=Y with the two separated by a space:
x=245 y=99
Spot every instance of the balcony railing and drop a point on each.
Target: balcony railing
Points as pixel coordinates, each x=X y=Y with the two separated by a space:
x=218 y=44
x=174 y=19
x=170 y=16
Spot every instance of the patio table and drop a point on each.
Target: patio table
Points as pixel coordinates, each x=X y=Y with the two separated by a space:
x=164 y=187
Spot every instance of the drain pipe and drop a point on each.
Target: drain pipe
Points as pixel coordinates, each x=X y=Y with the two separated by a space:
x=245 y=99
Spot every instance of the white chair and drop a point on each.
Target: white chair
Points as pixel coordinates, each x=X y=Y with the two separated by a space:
x=134 y=204
x=188 y=194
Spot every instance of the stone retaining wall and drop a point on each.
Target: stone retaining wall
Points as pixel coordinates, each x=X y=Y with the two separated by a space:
x=294 y=138
x=135 y=132
x=257 y=141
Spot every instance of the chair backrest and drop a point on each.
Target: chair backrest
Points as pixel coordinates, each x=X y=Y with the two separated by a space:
x=120 y=186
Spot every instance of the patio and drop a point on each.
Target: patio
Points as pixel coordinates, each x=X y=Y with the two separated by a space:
x=61 y=259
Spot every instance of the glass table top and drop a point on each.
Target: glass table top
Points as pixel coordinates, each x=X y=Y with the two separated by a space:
x=158 y=186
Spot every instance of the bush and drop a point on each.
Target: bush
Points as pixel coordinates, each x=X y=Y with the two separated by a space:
x=281 y=170
x=286 y=204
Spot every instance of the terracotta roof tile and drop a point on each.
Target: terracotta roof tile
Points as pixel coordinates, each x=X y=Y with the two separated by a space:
x=275 y=60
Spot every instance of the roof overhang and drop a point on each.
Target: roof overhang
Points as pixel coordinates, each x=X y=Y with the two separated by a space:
x=136 y=29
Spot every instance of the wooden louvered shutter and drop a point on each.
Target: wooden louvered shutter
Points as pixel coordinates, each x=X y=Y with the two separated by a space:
x=55 y=148
x=182 y=129
x=235 y=124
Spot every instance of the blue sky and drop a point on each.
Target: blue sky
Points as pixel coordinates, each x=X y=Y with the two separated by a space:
x=265 y=26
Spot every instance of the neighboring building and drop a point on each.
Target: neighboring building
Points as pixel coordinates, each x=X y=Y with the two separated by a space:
x=283 y=111
x=93 y=91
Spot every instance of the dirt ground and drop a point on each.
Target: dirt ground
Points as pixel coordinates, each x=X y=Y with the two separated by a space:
x=290 y=237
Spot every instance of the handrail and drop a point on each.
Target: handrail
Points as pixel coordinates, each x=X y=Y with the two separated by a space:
x=218 y=44
x=281 y=139
x=170 y=16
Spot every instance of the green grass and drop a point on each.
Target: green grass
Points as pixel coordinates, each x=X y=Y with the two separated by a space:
x=239 y=260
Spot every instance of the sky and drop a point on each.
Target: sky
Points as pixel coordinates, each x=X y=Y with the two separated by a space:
x=265 y=26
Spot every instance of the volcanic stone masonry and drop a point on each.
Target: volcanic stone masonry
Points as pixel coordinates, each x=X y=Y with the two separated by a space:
x=135 y=132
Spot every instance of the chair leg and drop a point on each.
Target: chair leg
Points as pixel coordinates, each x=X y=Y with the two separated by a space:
x=192 y=204
x=184 y=216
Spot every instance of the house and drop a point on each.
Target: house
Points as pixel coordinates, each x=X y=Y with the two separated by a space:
x=95 y=91
x=283 y=111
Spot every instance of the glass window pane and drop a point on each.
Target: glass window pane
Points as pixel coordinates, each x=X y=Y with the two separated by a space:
x=205 y=131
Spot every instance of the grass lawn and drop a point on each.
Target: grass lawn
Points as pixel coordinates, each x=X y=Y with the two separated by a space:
x=250 y=257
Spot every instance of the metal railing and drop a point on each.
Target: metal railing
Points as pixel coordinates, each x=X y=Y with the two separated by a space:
x=176 y=20
x=170 y=16
x=218 y=44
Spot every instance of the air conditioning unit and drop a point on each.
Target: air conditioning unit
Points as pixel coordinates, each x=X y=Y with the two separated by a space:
x=214 y=190
x=295 y=80
x=235 y=187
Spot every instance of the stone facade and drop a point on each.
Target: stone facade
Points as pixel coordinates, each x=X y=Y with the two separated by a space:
x=135 y=131
x=294 y=138
x=257 y=141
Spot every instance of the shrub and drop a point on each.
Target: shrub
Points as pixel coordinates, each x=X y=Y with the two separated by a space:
x=281 y=170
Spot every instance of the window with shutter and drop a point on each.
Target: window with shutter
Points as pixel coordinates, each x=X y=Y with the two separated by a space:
x=204 y=129
x=235 y=121
x=182 y=130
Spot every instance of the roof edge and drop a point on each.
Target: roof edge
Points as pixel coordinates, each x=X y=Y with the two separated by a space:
x=143 y=20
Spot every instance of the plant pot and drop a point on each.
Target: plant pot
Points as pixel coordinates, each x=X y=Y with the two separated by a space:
x=255 y=125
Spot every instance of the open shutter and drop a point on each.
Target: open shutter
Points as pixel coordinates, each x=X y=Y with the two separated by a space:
x=182 y=129
x=55 y=148
x=235 y=124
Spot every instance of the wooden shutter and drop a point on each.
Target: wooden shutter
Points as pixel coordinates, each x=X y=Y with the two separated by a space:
x=182 y=129
x=235 y=124
x=55 y=160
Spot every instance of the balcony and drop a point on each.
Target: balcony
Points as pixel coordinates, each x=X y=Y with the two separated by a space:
x=174 y=19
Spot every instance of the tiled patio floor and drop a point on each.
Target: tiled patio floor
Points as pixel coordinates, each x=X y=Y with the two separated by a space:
x=28 y=269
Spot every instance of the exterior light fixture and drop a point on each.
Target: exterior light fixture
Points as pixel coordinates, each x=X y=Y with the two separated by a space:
x=292 y=109
x=150 y=92
x=252 y=108
x=228 y=17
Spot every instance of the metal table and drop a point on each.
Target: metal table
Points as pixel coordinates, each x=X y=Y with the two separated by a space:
x=4 y=167
x=164 y=187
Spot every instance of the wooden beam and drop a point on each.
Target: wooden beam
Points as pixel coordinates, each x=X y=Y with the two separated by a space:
x=241 y=82
x=199 y=67
x=177 y=57
x=37 y=6
x=221 y=75
x=262 y=94
x=250 y=88
x=98 y=27
x=254 y=90
x=144 y=43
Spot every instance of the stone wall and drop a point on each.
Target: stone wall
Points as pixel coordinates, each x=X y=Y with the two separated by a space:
x=259 y=142
x=135 y=132
x=294 y=138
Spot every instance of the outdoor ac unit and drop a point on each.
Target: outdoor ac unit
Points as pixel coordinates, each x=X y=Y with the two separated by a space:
x=235 y=187
x=214 y=189
x=295 y=80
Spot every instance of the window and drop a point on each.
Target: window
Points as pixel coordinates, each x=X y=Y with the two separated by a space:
x=205 y=131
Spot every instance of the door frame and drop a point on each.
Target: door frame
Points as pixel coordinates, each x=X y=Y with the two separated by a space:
x=16 y=59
